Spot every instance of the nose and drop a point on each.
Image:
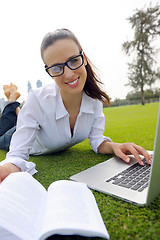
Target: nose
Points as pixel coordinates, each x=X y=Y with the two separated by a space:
x=68 y=73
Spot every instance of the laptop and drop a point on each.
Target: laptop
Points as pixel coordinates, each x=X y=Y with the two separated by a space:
x=130 y=182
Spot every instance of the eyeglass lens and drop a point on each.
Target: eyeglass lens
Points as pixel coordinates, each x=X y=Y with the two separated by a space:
x=73 y=64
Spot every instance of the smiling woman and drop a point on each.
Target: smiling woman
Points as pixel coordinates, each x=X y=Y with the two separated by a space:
x=66 y=112
x=60 y=55
x=72 y=47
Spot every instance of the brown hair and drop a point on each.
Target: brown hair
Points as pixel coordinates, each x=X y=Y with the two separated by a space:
x=91 y=87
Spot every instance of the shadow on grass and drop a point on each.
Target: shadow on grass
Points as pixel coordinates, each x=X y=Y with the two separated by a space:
x=72 y=237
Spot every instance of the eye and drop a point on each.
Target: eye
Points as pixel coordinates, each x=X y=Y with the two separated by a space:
x=75 y=62
x=56 y=69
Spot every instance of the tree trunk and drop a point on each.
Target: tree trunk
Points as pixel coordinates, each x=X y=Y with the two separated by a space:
x=142 y=96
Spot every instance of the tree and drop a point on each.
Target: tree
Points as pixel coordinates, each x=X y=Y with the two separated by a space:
x=134 y=96
x=157 y=93
x=142 y=72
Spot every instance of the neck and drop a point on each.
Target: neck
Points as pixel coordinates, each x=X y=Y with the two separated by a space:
x=72 y=101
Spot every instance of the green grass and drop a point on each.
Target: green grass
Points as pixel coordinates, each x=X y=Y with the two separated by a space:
x=135 y=123
x=124 y=221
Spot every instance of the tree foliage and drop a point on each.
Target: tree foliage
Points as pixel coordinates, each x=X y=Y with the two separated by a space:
x=142 y=71
x=150 y=94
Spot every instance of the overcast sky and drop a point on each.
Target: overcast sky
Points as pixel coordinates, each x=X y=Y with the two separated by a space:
x=100 y=26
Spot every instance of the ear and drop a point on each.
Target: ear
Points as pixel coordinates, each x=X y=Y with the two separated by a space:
x=85 y=59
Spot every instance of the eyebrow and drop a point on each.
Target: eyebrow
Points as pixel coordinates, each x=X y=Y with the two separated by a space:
x=63 y=62
x=72 y=56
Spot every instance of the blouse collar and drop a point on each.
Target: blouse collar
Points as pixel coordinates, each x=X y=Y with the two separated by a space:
x=86 y=106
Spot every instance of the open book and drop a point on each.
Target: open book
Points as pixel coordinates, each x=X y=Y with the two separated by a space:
x=29 y=212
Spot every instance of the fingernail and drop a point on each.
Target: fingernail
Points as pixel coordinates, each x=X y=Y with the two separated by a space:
x=127 y=160
x=149 y=161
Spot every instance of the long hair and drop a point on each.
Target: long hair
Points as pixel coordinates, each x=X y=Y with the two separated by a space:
x=93 y=83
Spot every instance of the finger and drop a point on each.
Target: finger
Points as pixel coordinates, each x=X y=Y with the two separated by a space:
x=132 y=148
x=143 y=152
x=124 y=157
x=149 y=159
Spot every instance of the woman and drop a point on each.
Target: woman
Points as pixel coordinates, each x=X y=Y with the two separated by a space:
x=65 y=112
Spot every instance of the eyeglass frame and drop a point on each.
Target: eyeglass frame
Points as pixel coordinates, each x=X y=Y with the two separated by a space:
x=65 y=64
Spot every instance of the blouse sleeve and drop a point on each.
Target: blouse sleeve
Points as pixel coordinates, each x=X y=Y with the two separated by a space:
x=22 y=139
x=96 y=136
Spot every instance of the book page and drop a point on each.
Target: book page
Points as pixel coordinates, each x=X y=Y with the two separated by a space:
x=21 y=201
x=5 y=235
x=71 y=209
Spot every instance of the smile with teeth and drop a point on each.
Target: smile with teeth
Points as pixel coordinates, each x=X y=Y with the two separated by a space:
x=73 y=83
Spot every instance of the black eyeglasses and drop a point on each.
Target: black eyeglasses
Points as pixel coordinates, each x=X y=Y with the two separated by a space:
x=58 y=69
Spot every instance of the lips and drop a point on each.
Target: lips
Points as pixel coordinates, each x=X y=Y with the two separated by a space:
x=73 y=83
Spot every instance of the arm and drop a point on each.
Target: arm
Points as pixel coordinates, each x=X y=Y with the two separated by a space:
x=104 y=145
x=6 y=169
x=28 y=124
x=96 y=136
x=22 y=140
x=123 y=149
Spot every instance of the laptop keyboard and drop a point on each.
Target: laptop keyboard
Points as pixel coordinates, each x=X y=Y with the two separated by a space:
x=135 y=177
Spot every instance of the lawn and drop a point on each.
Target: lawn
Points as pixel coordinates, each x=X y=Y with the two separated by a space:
x=123 y=124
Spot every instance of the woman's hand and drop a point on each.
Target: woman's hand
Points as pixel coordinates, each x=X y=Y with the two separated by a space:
x=6 y=169
x=122 y=150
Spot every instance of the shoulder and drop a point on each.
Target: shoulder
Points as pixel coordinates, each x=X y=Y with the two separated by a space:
x=91 y=105
x=45 y=97
x=45 y=91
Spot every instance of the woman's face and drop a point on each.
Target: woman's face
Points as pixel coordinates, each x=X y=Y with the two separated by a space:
x=71 y=81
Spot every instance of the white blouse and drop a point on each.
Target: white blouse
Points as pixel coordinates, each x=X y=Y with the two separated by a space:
x=43 y=126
